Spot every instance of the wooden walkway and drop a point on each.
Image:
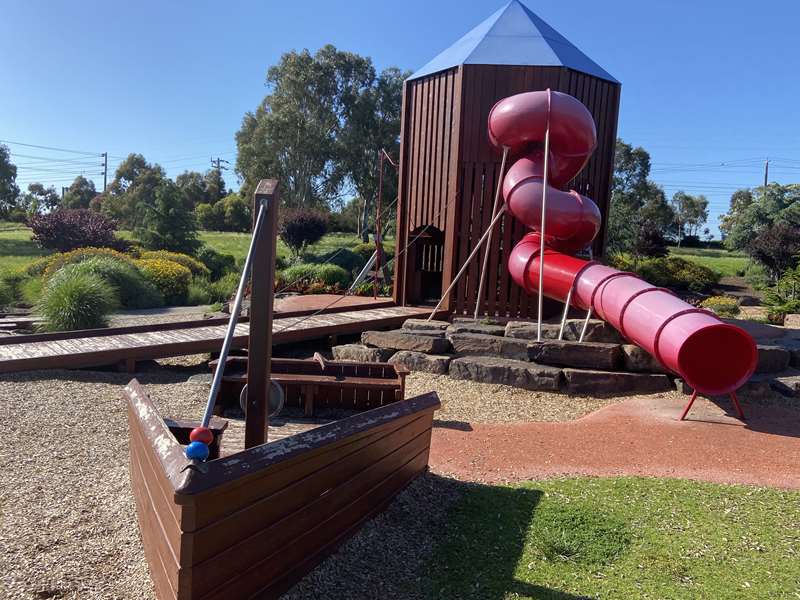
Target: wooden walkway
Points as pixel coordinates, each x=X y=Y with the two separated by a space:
x=111 y=346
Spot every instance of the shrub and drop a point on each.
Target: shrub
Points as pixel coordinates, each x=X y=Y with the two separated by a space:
x=308 y=273
x=37 y=267
x=198 y=293
x=203 y=291
x=349 y=260
x=169 y=224
x=784 y=297
x=217 y=264
x=299 y=228
x=195 y=266
x=74 y=300
x=12 y=280
x=67 y=229
x=777 y=247
x=7 y=295
x=677 y=273
x=723 y=306
x=649 y=241
x=208 y=218
x=56 y=261
x=223 y=289
x=30 y=290
x=332 y=274
x=133 y=289
x=366 y=288
x=365 y=249
x=171 y=279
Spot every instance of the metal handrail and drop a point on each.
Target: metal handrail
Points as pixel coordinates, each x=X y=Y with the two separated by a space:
x=235 y=311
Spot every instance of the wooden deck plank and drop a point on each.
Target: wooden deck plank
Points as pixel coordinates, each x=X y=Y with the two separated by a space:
x=81 y=350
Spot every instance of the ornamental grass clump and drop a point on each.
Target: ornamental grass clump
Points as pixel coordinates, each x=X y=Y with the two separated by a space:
x=76 y=300
x=134 y=290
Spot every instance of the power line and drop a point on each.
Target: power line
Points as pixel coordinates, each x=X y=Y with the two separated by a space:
x=54 y=149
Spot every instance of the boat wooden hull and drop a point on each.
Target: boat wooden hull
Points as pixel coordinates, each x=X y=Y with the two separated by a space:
x=253 y=523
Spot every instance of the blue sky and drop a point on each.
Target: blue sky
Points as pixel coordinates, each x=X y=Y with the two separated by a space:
x=711 y=89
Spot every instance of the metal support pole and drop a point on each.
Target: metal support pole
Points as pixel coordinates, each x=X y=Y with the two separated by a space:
x=489 y=242
x=585 y=324
x=472 y=254
x=542 y=227
x=235 y=311
x=566 y=311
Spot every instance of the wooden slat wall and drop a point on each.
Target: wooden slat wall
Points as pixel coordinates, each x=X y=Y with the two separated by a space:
x=473 y=167
x=233 y=531
x=428 y=159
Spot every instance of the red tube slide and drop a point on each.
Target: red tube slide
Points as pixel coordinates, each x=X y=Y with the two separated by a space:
x=711 y=356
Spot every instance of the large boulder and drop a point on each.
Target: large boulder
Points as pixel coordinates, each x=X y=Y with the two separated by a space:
x=590 y=355
x=772 y=359
x=585 y=382
x=476 y=327
x=787 y=382
x=516 y=373
x=596 y=331
x=792 y=321
x=639 y=360
x=360 y=353
x=419 y=361
x=400 y=339
x=416 y=325
x=478 y=344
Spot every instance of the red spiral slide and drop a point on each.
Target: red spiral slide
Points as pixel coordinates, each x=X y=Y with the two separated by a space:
x=711 y=356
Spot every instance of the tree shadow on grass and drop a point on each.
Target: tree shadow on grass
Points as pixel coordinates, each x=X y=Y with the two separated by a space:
x=484 y=540
x=439 y=538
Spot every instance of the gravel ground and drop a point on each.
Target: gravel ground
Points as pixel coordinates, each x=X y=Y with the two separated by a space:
x=493 y=403
x=67 y=520
x=160 y=315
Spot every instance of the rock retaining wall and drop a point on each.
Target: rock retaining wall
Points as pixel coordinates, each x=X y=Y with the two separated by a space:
x=508 y=353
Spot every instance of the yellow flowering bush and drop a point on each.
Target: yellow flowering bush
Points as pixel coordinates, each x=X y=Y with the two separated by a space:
x=172 y=279
x=724 y=306
x=195 y=266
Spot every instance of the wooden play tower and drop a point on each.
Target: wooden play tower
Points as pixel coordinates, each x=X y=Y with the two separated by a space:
x=448 y=170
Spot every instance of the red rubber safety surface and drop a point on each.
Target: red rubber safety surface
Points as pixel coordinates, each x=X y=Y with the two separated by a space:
x=640 y=436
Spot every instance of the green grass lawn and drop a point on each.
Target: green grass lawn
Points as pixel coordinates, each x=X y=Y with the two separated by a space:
x=16 y=247
x=619 y=538
x=724 y=262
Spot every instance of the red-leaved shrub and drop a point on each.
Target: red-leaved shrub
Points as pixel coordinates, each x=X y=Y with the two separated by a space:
x=299 y=228
x=67 y=229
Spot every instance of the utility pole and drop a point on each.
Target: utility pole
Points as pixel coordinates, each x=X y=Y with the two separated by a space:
x=105 y=170
x=766 y=175
x=217 y=164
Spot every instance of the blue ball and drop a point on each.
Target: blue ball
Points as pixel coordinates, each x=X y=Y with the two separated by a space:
x=197 y=451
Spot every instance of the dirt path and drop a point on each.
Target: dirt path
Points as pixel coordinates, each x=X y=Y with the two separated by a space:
x=640 y=436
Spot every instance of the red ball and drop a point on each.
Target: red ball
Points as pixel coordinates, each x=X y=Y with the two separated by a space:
x=201 y=434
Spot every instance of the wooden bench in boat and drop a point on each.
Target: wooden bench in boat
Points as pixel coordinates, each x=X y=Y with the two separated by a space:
x=255 y=522
x=319 y=383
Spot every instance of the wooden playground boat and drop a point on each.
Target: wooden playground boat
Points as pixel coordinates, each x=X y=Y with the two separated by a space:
x=318 y=383
x=254 y=522
x=242 y=522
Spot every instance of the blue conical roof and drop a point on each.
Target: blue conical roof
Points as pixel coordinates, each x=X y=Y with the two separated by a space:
x=514 y=36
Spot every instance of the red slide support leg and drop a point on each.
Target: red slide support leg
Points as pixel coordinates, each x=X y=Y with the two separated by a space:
x=736 y=405
x=734 y=401
x=688 y=405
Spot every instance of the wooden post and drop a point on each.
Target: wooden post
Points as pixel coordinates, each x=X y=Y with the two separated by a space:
x=262 y=283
